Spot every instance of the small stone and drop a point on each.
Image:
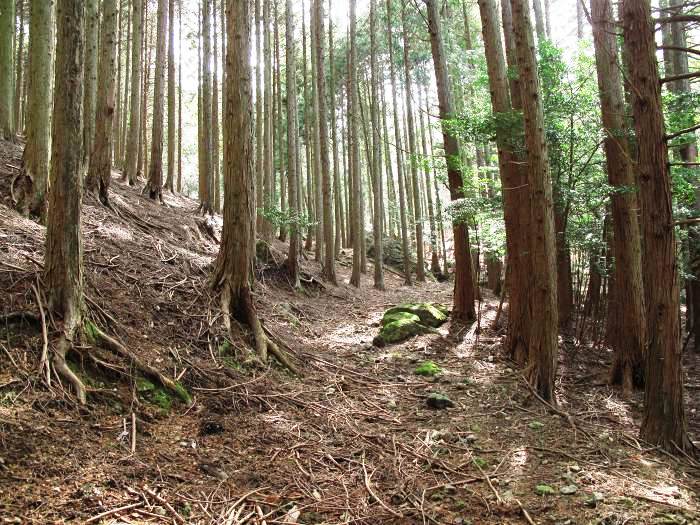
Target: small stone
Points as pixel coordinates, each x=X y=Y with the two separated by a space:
x=574 y=468
x=450 y=489
x=391 y=404
x=567 y=490
x=439 y=401
x=469 y=438
x=593 y=500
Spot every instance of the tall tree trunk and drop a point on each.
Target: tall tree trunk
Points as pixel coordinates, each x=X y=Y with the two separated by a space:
x=22 y=8
x=543 y=293
x=121 y=160
x=292 y=136
x=100 y=169
x=354 y=116
x=232 y=275
x=464 y=295
x=539 y=20
x=337 y=194
x=259 y=142
x=579 y=19
x=306 y=134
x=155 y=171
x=434 y=260
x=63 y=265
x=378 y=222
x=328 y=238
x=412 y=149
x=132 y=145
x=35 y=161
x=170 y=179
x=268 y=153
x=316 y=145
x=399 y=154
x=664 y=422
x=511 y=178
x=7 y=31
x=629 y=340
x=179 y=104
x=215 y=165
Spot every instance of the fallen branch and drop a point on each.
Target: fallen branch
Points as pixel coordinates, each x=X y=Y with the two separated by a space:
x=371 y=492
x=111 y=512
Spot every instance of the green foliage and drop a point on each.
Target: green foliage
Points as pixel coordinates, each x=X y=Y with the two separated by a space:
x=427 y=368
x=287 y=219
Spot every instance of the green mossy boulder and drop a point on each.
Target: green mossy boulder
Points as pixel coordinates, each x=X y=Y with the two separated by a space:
x=399 y=316
x=430 y=314
x=399 y=330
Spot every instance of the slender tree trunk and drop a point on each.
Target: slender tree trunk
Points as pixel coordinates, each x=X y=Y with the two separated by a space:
x=307 y=137
x=63 y=265
x=629 y=341
x=328 y=234
x=399 y=154
x=100 y=169
x=7 y=31
x=434 y=260
x=259 y=142
x=316 y=145
x=179 y=105
x=539 y=20
x=170 y=179
x=292 y=132
x=664 y=422
x=543 y=294
x=464 y=295
x=232 y=275
x=207 y=203
x=121 y=160
x=118 y=103
x=378 y=222
x=337 y=193
x=579 y=19
x=268 y=153
x=22 y=8
x=132 y=144
x=412 y=149
x=155 y=171
x=510 y=172
x=35 y=162
x=354 y=116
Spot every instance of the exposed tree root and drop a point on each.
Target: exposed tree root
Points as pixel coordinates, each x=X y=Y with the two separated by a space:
x=246 y=312
x=111 y=344
x=63 y=346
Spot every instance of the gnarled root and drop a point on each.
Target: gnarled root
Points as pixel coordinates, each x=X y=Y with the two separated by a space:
x=63 y=346
x=245 y=310
x=111 y=344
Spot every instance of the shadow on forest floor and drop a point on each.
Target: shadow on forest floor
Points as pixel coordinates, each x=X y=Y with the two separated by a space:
x=353 y=440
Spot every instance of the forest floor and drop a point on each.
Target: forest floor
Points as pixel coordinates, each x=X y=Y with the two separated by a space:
x=349 y=441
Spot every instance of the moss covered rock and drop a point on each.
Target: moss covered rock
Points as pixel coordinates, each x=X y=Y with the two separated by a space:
x=399 y=330
x=399 y=316
x=430 y=314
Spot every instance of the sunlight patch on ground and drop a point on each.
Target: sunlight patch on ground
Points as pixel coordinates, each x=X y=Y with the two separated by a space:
x=115 y=232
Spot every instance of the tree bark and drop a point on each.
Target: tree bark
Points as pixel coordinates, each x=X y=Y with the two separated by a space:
x=22 y=7
x=464 y=310
x=132 y=143
x=413 y=149
x=543 y=294
x=354 y=116
x=63 y=266
x=155 y=171
x=170 y=179
x=664 y=421
x=399 y=154
x=377 y=182
x=630 y=337
x=292 y=145
x=100 y=168
x=7 y=31
x=35 y=162
x=92 y=26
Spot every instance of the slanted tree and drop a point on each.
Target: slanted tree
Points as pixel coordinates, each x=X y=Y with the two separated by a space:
x=630 y=336
x=542 y=356
x=100 y=168
x=7 y=31
x=132 y=142
x=464 y=292
x=63 y=261
x=35 y=161
x=664 y=421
